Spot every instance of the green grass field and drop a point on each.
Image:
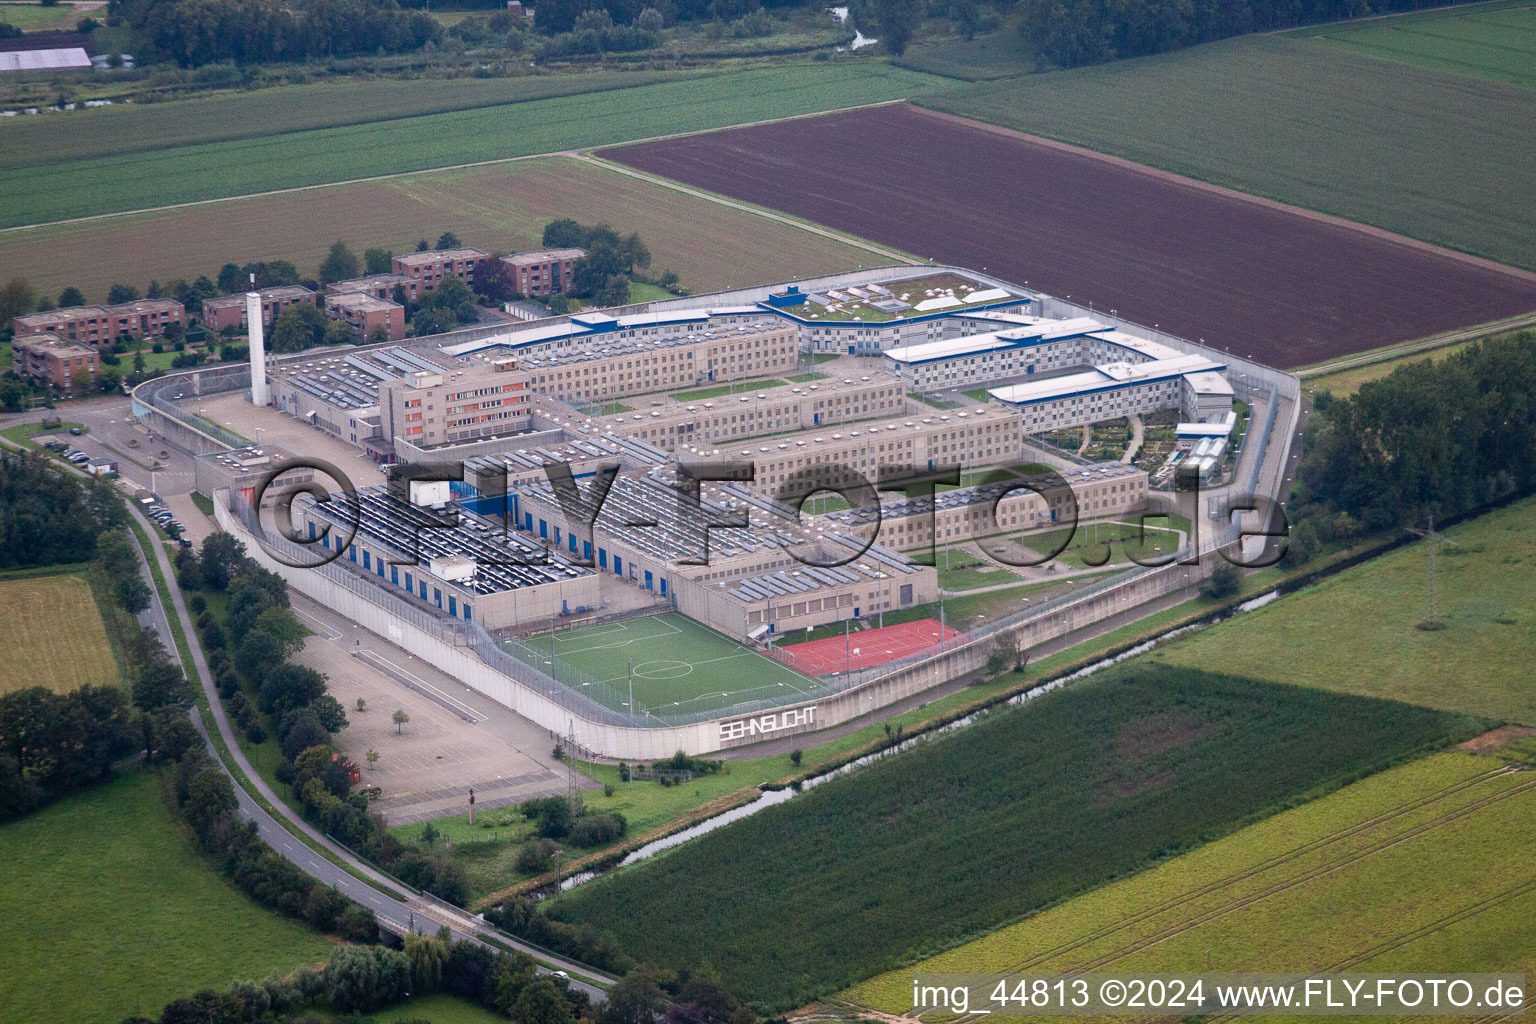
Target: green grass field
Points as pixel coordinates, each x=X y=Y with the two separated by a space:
x=33 y=17
x=1305 y=121
x=1389 y=874
x=721 y=390
x=115 y=914
x=999 y=54
x=54 y=636
x=1106 y=543
x=1492 y=40
x=179 y=174
x=1357 y=631
x=679 y=666
x=1004 y=818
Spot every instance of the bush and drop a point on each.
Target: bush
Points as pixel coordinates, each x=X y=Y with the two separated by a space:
x=198 y=603
x=598 y=829
x=536 y=857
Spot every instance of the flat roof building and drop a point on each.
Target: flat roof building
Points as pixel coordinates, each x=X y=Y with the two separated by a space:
x=99 y=325
x=542 y=271
x=227 y=311
x=52 y=361
x=429 y=409
x=431 y=266
x=371 y=319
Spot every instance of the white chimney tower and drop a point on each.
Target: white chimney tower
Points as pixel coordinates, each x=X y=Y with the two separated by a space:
x=258 y=348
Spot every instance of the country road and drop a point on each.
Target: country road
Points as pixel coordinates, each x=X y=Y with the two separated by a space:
x=397 y=909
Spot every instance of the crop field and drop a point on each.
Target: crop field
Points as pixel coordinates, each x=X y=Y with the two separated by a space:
x=1099 y=780
x=281 y=110
x=180 y=174
x=1421 y=868
x=678 y=665
x=1358 y=631
x=1496 y=41
x=500 y=207
x=54 y=636
x=1306 y=122
x=35 y=17
x=1260 y=280
x=116 y=914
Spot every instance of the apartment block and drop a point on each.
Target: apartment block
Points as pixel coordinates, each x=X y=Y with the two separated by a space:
x=229 y=310
x=380 y=286
x=542 y=271
x=366 y=314
x=431 y=266
x=52 y=361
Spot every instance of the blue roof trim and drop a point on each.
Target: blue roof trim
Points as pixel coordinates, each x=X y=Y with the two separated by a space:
x=1014 y=344
x=942 y=314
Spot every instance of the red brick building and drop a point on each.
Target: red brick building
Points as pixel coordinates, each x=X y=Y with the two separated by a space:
x=366 y=313
x=101 y=325
x=52 y=361
x=380 y=286
x=542 y=271
x=431 y=266
x=229 y=310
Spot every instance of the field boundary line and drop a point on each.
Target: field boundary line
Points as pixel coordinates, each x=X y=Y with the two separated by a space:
x=757 y=211
x=1173 y=177
x=1411 y=348
x=576 y=153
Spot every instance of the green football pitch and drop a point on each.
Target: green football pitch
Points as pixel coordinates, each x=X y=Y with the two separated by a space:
x=679 y=667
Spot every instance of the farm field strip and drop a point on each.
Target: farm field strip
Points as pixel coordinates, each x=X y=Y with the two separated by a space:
x=710 y=245
x=1276 y=284
x=1358 y=846
x=1307 y=123
x=189 y=173
x=1494 y=41
x=1120 y=770
x=55 y=636
x=1366 y=619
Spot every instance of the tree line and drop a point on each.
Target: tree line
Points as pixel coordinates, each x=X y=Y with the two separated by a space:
x=1069 y=33
x=366 y=979
x=197 y=32
x=1433 y=437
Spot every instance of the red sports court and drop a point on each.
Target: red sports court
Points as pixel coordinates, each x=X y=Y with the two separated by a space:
x=864 y=648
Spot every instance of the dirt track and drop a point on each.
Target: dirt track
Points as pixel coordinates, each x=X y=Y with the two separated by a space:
x=1281 y=286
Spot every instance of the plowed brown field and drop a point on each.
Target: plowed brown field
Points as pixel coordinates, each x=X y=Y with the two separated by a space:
x=1277 y=284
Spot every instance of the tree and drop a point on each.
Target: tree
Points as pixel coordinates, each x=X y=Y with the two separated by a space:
x=448 y=240
x=564 y=233
x=338 y=332
x=430 y=834
x=372 y=757
x=121 y=293
x=71 y=296
x=429 y=957
x=794 y=757
x=634 y=999
x=159 y=684
x=17 y=298
x=453 y=298
x=361 y=979
x=379 y=336
x=232 y=279
x=559 y=304
x=894 y=21
x=298 y=327
x=288 y=686
x=494 y=281
x=1223 y=582
x=221 y=557
x=361 y=705
x=400 y=718
x=377 y=261
x=339 y=264
x=542 y=1002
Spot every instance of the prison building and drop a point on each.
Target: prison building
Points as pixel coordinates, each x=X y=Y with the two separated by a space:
x=431 y=409
x=339 y=393
x=870 y=319
x=969 y=513
x=1194 y=384
x=597 y=357
x=227 y=311
x=671 y=420
x=984 y=436
x=526 y=461
x=447 y=560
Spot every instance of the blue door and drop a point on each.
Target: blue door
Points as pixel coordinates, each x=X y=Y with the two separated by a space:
x=648 y=580
x=618 y=566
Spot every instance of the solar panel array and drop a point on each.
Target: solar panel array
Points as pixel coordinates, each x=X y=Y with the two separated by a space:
x=418 y=534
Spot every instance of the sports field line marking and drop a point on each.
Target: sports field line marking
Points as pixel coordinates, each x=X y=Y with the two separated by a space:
x=673 y=631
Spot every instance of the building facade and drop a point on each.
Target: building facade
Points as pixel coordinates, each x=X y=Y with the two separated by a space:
x=102 y=325
x=228 y=311
x=431 y=266
x=430 y=409
x=542 y=271
x=366 y=315
x=51 y=361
